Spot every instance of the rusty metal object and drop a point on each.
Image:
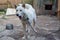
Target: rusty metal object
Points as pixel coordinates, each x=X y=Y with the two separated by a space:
x=9 y=26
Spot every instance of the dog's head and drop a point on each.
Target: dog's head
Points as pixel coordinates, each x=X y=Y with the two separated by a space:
x=20 y=11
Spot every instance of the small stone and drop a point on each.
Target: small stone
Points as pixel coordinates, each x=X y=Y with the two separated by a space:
x=6 y=38
x=2 y=28
x=40 y=38
x=50 y=37
x=7 y=32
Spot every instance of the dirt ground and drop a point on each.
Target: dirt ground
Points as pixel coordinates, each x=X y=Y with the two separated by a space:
x=47 y=27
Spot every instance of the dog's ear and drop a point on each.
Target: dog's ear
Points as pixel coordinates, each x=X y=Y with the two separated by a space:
x=23 y=5
x=15 y=6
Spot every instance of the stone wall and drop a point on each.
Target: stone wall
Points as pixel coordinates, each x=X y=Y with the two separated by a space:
x=39 y=5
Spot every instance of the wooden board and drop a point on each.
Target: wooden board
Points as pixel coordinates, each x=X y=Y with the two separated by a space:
x=10 y=11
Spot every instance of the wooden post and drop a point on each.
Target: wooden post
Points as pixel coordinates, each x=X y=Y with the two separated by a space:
x=58 y=11
x=58 y=14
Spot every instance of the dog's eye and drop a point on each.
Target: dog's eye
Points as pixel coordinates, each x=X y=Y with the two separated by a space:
x=20 y=10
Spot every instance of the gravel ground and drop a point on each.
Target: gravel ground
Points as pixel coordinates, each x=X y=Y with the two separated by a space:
x=48 y=28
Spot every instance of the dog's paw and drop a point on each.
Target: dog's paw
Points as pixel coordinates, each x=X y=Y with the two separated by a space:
x=24 y=38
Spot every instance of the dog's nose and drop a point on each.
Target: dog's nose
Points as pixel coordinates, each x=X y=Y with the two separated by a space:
x=17 y=15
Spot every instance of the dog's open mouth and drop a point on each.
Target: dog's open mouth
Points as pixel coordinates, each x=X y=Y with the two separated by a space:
x=20 y=17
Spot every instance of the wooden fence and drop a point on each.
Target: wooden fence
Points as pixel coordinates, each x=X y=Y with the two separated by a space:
x=8 y=3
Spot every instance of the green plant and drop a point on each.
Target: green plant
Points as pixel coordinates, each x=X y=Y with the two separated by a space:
x=2 y=11
x=52 y=1
x=28 y=1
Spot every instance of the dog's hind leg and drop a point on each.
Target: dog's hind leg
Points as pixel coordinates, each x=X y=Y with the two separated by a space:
x=34 y=25
x=33 y=22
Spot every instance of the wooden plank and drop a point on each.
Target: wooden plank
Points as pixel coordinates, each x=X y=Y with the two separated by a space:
x=58 y=12
x=10 y=11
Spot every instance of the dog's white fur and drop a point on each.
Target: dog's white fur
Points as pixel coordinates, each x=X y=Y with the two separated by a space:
x=29 y=10
x=30 y=13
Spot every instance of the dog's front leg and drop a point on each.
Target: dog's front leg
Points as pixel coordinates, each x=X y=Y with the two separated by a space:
x=24 y=30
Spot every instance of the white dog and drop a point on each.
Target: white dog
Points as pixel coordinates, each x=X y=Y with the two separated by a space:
x=27 y=15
